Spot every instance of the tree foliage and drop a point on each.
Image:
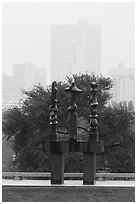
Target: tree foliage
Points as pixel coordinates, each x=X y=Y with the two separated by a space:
x=28 y=127
x=116 y=128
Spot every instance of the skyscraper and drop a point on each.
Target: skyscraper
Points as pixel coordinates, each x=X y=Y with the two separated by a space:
x=40 y=76
x=75 y=48
x=124 y=84
x=8 y=96
x=23 y=77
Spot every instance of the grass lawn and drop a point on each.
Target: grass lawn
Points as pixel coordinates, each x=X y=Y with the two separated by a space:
x=68 y=194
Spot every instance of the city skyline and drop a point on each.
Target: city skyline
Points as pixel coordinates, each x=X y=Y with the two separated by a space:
x=75 y=48
x=123 y=84
x=24 y=77
x=27 y=29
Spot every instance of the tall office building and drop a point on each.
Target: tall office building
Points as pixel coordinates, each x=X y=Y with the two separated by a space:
x=7 y=85
x=74 y=49
x=8 y=96
x=40 y=76
x=124 y=84
x=23 y=77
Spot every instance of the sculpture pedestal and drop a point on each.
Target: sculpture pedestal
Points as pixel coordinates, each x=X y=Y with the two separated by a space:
x=89 y=150
x=89 y=168
x=57 y=168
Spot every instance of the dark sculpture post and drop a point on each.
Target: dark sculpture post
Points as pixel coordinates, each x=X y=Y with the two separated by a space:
x=73 y=90
x=57 y=157
x=89 y=174
x=53 y=111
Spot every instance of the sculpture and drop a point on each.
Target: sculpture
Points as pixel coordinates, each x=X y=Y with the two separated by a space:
x=89 y=148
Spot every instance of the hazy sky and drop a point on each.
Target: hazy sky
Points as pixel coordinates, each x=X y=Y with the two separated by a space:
x=26 y=31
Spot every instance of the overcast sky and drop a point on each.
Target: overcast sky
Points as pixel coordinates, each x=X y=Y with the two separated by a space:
x=26 y=31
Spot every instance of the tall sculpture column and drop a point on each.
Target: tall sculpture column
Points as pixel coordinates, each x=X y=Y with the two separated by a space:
x=89 y=174
x=57 y=157
x=73 y=90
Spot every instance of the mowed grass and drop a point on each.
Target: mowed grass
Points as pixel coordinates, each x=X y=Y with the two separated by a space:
x=68 y=194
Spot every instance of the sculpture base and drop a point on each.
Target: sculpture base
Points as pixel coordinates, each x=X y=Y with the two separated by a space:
x=74 y=146
x=89 y=168
x=89 y=182
x=53 y=181
x=57 y=168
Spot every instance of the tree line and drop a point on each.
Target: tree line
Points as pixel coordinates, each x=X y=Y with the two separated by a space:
x=27 y=126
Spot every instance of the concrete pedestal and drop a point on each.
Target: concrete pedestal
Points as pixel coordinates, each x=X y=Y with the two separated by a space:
x=89 y=168
x=57 y=168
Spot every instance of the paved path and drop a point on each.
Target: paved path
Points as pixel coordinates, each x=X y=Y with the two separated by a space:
x=10 y=182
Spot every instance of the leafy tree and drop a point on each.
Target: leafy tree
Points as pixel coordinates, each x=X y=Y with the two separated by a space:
x=116 y=127
x=28 y=127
